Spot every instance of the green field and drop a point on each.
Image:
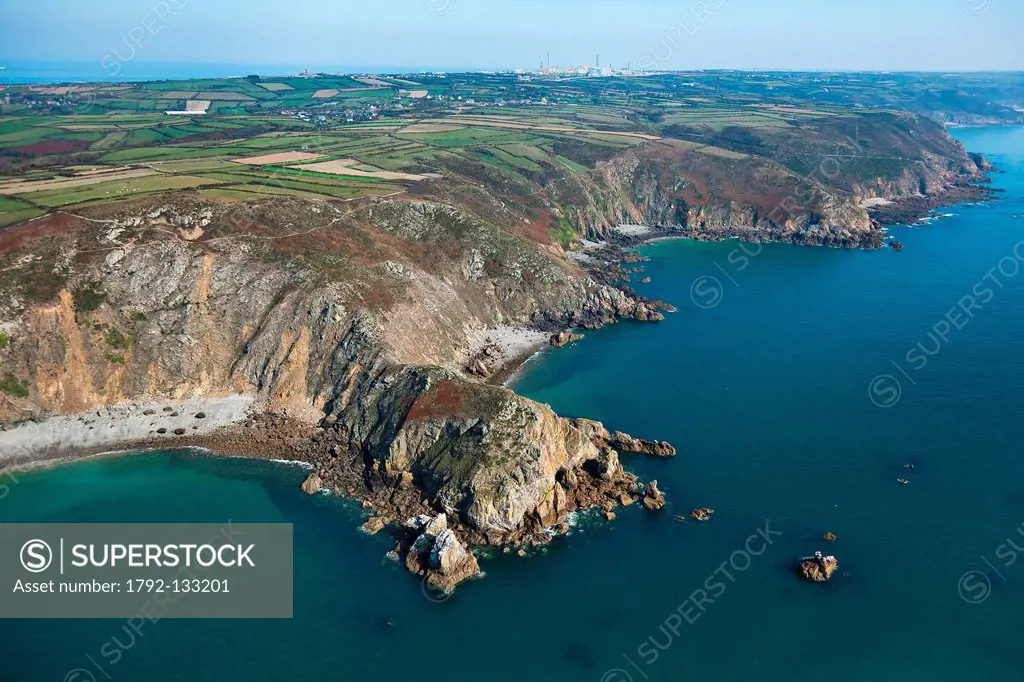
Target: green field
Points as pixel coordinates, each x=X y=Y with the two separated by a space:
x=559 y=128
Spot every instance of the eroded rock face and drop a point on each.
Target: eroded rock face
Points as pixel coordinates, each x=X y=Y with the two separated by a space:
x=133 y=309
x=312 y=485
x=654 y=499
x=674 y=184
x=433 y=551
x=626 y=443
x=359 y=321
x=818 y=568
x=623 y=442
x=450 y=562
x=484 y=454
x=562 y=339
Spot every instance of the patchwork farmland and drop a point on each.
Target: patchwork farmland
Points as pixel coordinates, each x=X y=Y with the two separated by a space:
x=343 y=138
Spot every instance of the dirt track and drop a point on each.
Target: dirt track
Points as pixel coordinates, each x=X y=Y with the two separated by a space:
x=70 y=183
x=281 y=157
x=525 y=126
x=343 y=167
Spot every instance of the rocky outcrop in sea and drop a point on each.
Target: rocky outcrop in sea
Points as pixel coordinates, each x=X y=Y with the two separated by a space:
x=433 y=551
x=818 y=568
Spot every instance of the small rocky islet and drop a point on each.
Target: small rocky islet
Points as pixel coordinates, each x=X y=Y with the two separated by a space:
x=818 y=568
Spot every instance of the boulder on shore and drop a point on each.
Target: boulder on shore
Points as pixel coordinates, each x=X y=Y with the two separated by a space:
x=478 y=368
x=312 y=485
x=450 y=562
x=818 y=568
x=564 y=339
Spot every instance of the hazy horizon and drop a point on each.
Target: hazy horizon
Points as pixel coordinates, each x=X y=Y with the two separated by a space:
x=412 y=68
x=472 y=35
x=144 y=71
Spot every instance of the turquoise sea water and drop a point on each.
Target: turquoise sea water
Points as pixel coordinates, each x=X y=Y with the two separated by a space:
x=770 y=395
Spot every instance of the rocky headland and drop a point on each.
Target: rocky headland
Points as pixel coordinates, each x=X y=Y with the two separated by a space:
x=181 y=323
x=837 y=185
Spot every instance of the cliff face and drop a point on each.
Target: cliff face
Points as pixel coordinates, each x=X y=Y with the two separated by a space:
x=712 y=192
x=797 y=184
x=359 y=320
x=488 y=456
x=133 y=307
x=169 y=318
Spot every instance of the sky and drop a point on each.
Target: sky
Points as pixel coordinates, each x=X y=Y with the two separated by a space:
x=880 y=35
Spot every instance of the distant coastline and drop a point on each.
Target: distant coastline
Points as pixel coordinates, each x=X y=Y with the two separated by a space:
x=33 y=72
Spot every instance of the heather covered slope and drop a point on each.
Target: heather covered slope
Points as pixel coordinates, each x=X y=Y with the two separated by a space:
x=350 y=329
x=214 y=290
x=177 y=297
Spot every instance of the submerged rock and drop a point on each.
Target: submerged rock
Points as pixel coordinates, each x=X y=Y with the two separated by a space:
x=702 y=514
